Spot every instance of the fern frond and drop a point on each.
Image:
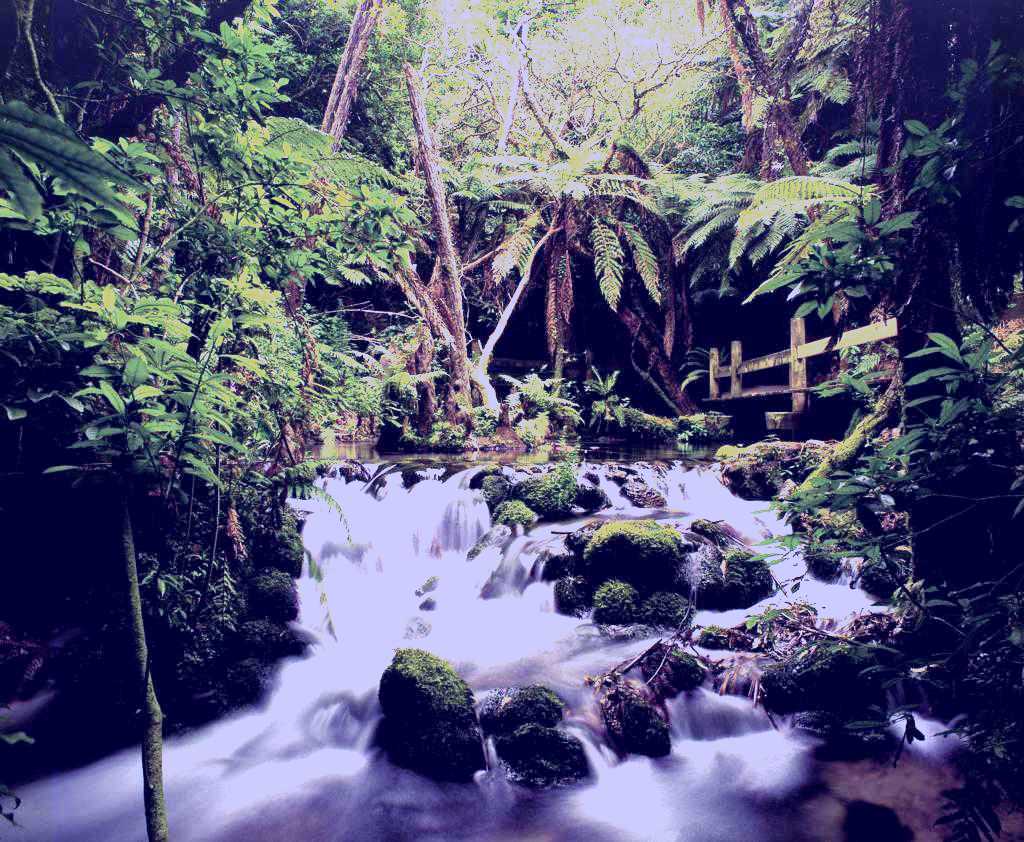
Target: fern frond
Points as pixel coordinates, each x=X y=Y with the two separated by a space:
x=515 y=247
x=607 y=262
x=644 y=260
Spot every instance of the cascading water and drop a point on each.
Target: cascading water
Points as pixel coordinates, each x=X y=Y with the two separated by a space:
x=303 y=765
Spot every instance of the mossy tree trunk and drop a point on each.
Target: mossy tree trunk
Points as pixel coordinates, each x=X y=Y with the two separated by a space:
x=152 y=715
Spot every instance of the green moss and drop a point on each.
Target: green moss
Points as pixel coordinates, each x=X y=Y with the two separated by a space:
x=514 y=513
x=647 y=427
x=495 y=490
x=590 y=498
x=429 y=720
x=268 y=640
x=823 y=562
x=644 y=553
x=702 y=427
x=744 y=581
x=272 y=596
x=828 y=677
x=666 y=609
x=713 y=637
x=615 y=602
x=552 y=494
x=717 y=532
x=577 y=540
x=540 y=757
x=668 y=670
x=633 y=723
x=880 y=580
x=573 y=596
x=505 y=710
x=557 y=566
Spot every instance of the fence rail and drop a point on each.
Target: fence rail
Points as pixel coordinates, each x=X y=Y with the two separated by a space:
x=800 y=350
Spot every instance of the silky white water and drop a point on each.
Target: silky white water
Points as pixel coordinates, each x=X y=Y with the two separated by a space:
x=302 y=765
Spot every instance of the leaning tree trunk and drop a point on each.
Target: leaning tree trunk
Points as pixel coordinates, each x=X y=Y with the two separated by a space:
x=667 y=378
x=450 y=302
x=346 y=80
x=152 y=737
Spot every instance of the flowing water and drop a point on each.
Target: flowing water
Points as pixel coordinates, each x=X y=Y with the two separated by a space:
x=302 y=765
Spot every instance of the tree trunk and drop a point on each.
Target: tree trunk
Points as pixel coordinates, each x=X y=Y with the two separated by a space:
x=152 y=737
x=667 y=377
x=451 y=273
x=346 y=80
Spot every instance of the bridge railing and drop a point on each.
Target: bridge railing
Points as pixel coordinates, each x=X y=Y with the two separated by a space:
x=795 y=357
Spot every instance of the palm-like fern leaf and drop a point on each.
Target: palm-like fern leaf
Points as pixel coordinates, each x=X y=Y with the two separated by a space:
x=644 y=259
x=515 y=248
x=608 y=258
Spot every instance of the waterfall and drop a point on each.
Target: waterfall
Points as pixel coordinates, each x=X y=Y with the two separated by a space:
x=303 y=762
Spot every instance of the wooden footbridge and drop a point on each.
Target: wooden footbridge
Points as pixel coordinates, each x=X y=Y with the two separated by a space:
x=795 y=358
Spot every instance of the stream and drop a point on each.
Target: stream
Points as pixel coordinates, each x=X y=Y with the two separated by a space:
x=303 y=765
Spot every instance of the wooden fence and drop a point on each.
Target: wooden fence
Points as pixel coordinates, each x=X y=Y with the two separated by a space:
x=795 y=357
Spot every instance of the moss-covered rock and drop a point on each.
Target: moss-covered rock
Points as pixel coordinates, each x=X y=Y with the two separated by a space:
x=556 y=566
x=823 y=562
x=272 y=596
x=495 y=489
x=540 y=757
x=829 y=677
x=616 y=602
x=641 y=495
x=477 y=480
x=645 y=553
x=646 y=427
x=550 y=495
x=739 y=581
x=668 y=671
x=268 y=640
x=573 y=596
x=881 y=580
x=577 y=540
x=505 y=710
x=716 y=532
x=429 y=720
x=702 y=427
x=591 y=498
x=634 y=724
x=514 y=513
x=718 y=637
x=759 y=471
x=665 y=609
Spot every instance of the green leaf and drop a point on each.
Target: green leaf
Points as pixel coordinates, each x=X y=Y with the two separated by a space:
x=113 y=397
x=15 y=413
x=15 y=180
x=916 y=127
x=135 y=372
x=930 y=374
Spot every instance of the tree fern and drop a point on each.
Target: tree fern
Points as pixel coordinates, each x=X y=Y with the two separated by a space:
x=608 y=259
x=516 y=247
x=644 y=259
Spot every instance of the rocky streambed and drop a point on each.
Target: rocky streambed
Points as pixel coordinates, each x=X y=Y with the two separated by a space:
x=561 y=652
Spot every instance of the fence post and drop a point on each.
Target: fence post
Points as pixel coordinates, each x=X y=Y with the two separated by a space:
x=713 y=391
x=797 y=366
x=735 y=361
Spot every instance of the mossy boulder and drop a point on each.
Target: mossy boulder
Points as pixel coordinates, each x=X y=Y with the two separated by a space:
x=645 y=553
x=759 y=471
x=647 y=427
x=703 y=427
x=823 y=562
x=634 y=724
x=490 y=470
x=641 y=495
x=665 y=609
x=718 y=637
x=739 y=581
x=556 y=565
x=716 y=532
x=591 y=498
x=573 y=596
x=495 y=489
x=429 y=722
x=616 y=602
x=540 y=757
x=505 y=710
x=577 y=540
x=668 y=671
x=268 y=641
x=272 y=596
x=550 y=495
x=829 y=677
x=880 y=580
x=514 y=513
